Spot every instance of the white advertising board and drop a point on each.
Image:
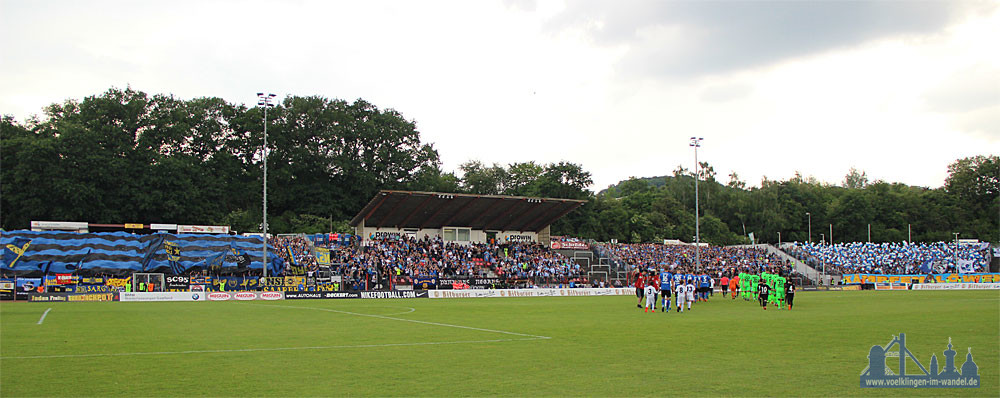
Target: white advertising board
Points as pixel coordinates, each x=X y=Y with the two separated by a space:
x=478 y=293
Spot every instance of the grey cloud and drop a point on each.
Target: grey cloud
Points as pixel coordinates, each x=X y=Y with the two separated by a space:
x=707 y=37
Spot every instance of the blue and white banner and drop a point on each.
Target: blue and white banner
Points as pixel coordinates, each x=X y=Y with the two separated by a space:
x=967 y=266
x=60 y=252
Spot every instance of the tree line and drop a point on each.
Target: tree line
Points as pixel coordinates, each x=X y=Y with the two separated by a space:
x=127 y=156
x=663 y=207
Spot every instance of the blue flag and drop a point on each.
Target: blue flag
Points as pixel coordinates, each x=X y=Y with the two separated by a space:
x=154 y=244
x=212 y=261
x=79 y=264
x=275 y=264
x=14 y=251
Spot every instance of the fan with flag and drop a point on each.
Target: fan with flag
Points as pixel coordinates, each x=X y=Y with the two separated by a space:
x=927 y=267
x=967 y=266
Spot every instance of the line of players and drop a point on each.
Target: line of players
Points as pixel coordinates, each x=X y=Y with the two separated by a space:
x=686 y=287
x=769 y=289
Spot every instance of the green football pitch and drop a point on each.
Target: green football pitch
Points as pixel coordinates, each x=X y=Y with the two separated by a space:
x=553 y=346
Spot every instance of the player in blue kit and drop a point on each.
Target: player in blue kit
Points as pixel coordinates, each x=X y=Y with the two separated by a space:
x=665 y=279
x=703 y=285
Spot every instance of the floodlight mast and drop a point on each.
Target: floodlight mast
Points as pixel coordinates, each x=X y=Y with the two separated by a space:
x=265 y=101
x=696 y=142
x=810 y=218
x=954 y=254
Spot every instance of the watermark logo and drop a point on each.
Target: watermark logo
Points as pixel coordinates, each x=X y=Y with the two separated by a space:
x=878 y=374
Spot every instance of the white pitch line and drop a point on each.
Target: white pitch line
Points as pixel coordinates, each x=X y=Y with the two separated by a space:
x=42 y=319
x=533 y=337
x=404 y=312
x=122 y=354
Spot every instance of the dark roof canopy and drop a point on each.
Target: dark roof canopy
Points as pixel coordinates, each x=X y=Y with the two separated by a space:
x=405 y=209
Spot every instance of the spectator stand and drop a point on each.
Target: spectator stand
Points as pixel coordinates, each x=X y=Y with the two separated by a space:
x=893 y=257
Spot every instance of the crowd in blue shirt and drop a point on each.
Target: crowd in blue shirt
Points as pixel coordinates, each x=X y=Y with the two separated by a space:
x=893 y=257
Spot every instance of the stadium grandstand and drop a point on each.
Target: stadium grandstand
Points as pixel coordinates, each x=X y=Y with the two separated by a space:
x=424 y=240
x=461 y=218
x=419 y=237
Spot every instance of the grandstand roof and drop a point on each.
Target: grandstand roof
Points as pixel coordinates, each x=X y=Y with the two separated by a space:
x=407 y=209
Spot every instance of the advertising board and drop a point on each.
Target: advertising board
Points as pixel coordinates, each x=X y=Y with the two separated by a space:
x=162 y=296
x=479 y=293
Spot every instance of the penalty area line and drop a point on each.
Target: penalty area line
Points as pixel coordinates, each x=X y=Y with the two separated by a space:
x=328 y=347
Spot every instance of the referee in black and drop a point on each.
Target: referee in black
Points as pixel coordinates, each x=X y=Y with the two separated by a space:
x=762 y=290
x=789 y=293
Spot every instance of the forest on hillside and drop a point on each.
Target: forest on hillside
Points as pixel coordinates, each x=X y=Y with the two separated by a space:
x=127 y=156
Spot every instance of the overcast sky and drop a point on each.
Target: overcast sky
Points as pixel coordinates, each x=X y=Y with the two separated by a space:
x=899 y=89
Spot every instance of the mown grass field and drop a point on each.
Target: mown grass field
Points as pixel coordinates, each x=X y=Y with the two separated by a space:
x=558 y=346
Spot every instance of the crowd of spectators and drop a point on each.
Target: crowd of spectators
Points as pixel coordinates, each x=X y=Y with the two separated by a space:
x=375 y=261
x=717 y=261
x=567 y=239
x=294 y=250
x=533 y=261
x=893 y=257
x=408 y=257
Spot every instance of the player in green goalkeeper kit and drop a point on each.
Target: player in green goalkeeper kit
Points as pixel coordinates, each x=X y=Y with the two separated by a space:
x=744 y=285
x=769 y=280
x=779 y=292
x=772 y=296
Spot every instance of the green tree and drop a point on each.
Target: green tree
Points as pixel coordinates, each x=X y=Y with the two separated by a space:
x=480 y=179
x=855 y=179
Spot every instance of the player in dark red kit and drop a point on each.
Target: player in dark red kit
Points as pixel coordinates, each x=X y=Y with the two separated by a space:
x=640 y=284
x=652 y=280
